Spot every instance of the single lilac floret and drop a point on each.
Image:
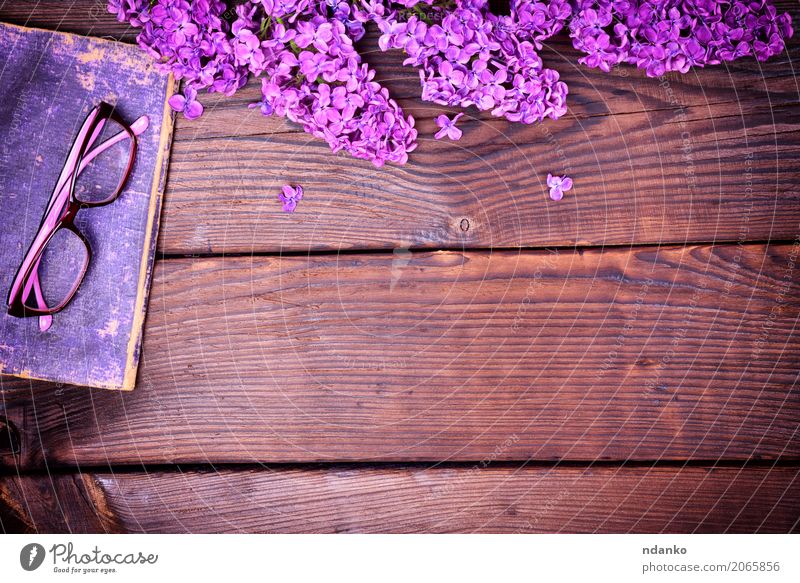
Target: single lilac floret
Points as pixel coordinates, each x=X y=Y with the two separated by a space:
x=448 y=126
x=558 y=186
x=290 y=196
x=187 y=103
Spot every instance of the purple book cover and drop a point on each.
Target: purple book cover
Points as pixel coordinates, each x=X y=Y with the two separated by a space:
x=50 y=81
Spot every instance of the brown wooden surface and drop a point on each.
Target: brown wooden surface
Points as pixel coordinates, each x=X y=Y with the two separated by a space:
x=616 y=354
x=508 y=500
x=489 y=190
x=462 y=352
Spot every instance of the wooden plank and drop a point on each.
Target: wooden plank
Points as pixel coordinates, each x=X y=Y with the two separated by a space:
x=402 y=500
x=592 y=92
x=723 y=174
x=729 y=174
x=710 y=156
x=648 y=353
x=51 y=504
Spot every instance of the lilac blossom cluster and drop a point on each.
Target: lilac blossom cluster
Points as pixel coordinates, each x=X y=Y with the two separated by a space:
x=311 y=72
x=469 y=56
x=674 y=35
x=466 y=55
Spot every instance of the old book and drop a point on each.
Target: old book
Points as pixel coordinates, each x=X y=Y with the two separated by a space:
x=50 y=81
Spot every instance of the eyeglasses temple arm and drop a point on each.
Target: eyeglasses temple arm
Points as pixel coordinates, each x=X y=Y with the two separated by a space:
x=138 y=127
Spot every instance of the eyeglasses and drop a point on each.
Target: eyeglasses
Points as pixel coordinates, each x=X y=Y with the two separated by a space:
x=98 y=166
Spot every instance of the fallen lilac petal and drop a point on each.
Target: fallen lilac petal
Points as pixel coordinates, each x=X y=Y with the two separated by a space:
x=558 y=185
x=290 y=196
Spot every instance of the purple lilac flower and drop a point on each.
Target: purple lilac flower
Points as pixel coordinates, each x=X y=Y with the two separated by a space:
x=290 y=196
x=133 y=11
x=558 y=185
x=660 y=36
x=466 y=55
x=448 y=126
x=187 y=103
x=269 y=93
x=469 y=56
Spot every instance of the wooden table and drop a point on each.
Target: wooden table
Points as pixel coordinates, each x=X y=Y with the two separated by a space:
x=438 y=347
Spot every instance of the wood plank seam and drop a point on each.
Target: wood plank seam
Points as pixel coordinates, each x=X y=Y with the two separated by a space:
x=402 y=500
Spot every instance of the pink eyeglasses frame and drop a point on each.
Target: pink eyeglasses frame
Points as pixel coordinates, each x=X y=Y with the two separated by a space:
x=62 y=208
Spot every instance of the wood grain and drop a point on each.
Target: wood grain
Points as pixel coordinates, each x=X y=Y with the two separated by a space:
x=708 y=156
x=723 y=175
x=688 y=158
x=53 y=504
x=418 y=500
x=648 y=353
x=592 y=92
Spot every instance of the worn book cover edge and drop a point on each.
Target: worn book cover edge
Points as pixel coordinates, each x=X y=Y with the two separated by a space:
x=150 y=242
x=151 y=238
